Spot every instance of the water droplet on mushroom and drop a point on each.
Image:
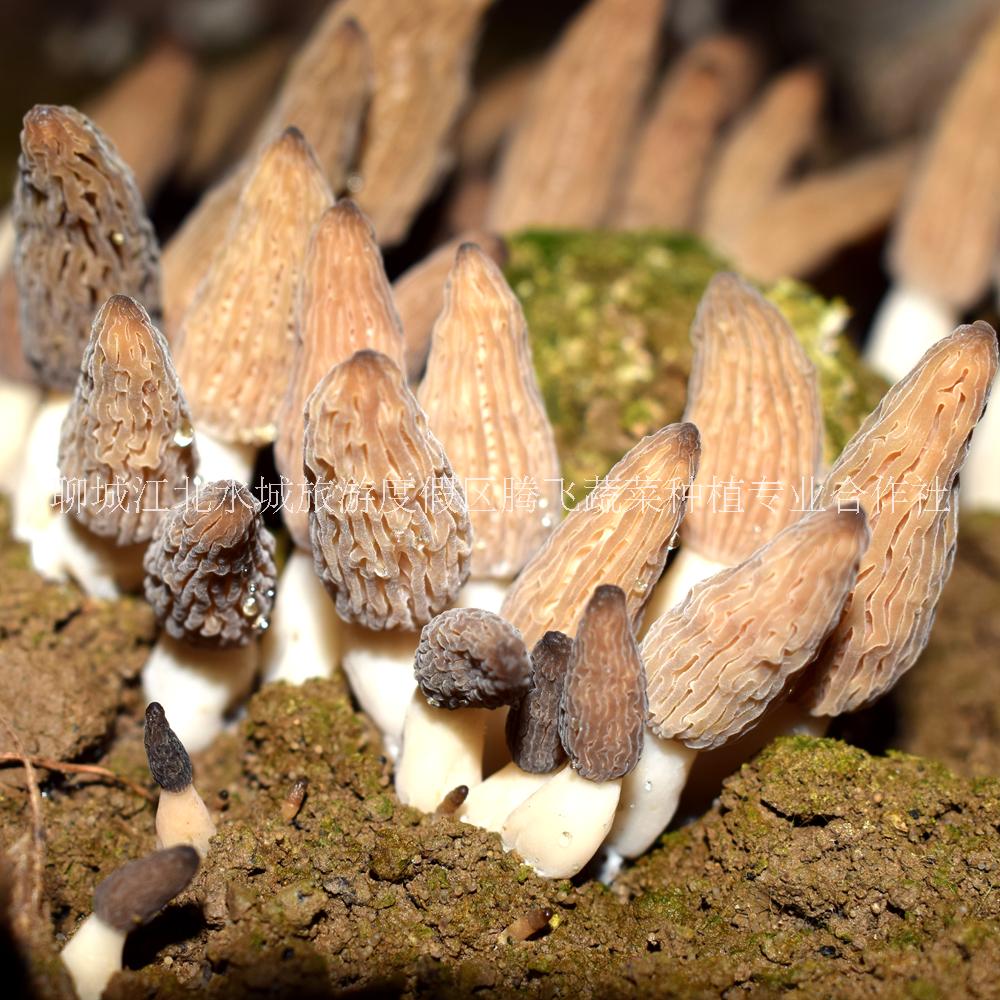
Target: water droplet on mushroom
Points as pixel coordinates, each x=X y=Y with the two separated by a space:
x=647 y=785
x=546 y=521
x=641 y=586
x=184 y=435
x=249 y=606
x=565 y=838
x=262 y=624
x=117 y=238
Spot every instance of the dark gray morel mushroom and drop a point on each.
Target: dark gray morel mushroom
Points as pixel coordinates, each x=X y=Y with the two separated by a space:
x=468 y=662
x=210 y=578
x=559 y=828
x=125 y=900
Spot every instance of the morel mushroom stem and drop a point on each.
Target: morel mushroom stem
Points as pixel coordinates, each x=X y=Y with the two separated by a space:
x=38 y=482
x=19 y=403
x=687 y=570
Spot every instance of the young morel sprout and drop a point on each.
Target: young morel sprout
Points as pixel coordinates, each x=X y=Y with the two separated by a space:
x=468 y=662
x=753 y=396
x=235 y=345
x=125 y=900
x=388 y=523
x=210 y=578
x=716 y=661
x=560 y=827
x=125 y=451
x=532 y=731
x=181 y=816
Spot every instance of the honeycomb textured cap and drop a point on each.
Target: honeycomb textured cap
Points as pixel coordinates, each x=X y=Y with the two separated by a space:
x=603 y=706
x=388 y=523
x=168 y=759
x=721 y=657
x=210 y=573
x=470 y=658
x=81 y=236
x=136 y=892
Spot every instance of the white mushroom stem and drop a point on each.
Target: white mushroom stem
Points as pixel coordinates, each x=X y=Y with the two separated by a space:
x=442 y=749
x=379 y=668
x=560 y=828
x=908 y=322
x=485 y=594
x=224 y=460
x=183 y=818
x=981 y=473
x=19 y=402
x=303 y=640
x=687 y=569
x=39 y=481
x=92 y=956
x=490 y=803
x=197 y=686
x=650 y=793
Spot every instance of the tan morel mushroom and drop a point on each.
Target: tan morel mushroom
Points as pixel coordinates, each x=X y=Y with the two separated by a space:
x=126 y=451
x=388 y=523
x=210 y=579
x=753 y=396
x=559 y=828
x=124 y=901
x=181 y=816
x=716 y=661
x=902 y=466
x=469 y=661
x=532 y=731
x=944 y=245
x=81 y=236
x=235 y=345
x=345 y=305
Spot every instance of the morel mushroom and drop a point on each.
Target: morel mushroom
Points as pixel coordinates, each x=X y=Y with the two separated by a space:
x=753 y=396
x=125 y=451
x=388 y=523
x=468 y=662
x=210 y=579
x=559 y=828
x=717 y=660
x=125 y=900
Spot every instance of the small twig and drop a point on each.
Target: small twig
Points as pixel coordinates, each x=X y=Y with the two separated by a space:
x=35 y=805
x=93 y=769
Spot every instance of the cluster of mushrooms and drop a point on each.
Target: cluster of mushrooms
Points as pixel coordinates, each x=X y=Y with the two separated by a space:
x=545 y=676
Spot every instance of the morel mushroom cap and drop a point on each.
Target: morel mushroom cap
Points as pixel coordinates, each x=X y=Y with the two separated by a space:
x=82 y=235
x=235 y=345
x=902 y=466
x=470 y=658
x=137 y=891
x=210 y=569
x=482 y=401
x=388 y=522
x=168 y=760
x=126 y=442
x=603 y=706
x=533 y=723
x=345 y=305
x=621 y=533
x=753 y=396
x=717 y=660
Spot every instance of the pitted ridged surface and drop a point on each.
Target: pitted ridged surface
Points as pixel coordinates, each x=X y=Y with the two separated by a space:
x=82 y=236
x=533 y=723
x=210 y=571
x=717 y=660
x=470 y=658
x=483 y=403
x=345 y=305
x=620 y=535
x=167 y=757
x=915 y=441
x=388 y=523
x=603 y=706
x=137 y=891
x=126 y=447
x=235 y=345
x=753 y=396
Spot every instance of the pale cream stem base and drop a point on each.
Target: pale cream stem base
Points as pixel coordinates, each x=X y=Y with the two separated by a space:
x=489 y=804
x=40 y=482
x=183 y=818
x=19 y=403
x=223 y=460
x=687 y=569
x=92 y=956
x=907 y=323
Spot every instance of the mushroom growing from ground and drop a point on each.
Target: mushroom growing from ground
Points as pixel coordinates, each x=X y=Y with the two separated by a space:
x=468 y=662
x=125 y=452
x=560 y=827
x=344 y=305
x=125 y=900
x=944 y=244
x=181 y=816
x=716 y=661
x=753 y=396
x=388 y=523
x=210 y=579
x=235 y=346
x=81 y=236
